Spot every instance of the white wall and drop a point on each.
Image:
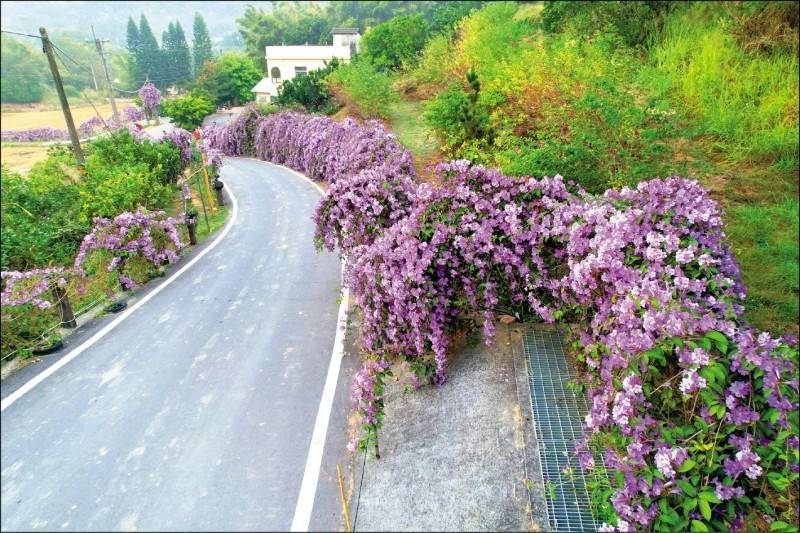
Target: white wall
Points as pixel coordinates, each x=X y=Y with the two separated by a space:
x=345 y=40
x=313 y=57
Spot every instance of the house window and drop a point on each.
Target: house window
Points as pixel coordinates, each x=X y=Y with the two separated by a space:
x=300 y=71
x=275 y=72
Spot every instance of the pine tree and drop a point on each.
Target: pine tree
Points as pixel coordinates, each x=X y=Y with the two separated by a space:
x=201 y=43
x=149 y=54
x=134 y=50
x=168 y=55
x=183 y=59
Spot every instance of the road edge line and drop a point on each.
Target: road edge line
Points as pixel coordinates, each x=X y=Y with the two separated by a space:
x=308 y=487
x=27 y=387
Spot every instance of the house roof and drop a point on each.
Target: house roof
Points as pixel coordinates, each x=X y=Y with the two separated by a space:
x=262 y=86
x=344 y=31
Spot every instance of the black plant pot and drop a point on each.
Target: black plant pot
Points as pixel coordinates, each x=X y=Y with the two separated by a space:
x=116 y=307
x=45 y=350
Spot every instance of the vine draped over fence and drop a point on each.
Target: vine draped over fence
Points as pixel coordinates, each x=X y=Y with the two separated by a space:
x=131 y=243
x=693 y=410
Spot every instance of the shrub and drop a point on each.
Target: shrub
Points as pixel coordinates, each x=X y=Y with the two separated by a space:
x=370 y=91
x=309 y=91
x=163 y=160
x=318 y=146
x=40 y=218
x=396 y=42
x=188 y=111
x=633 y=21
x=458 y=118
x=151 y=237
x=692 y=410
x=354 y=211
x=109 y=189
x=150 y=100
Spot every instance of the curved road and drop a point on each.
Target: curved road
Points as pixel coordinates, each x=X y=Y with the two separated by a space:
x=196 y=412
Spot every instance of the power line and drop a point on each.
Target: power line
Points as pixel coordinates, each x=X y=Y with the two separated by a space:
x=23 y=34
x=87 y=99
x=71 y=59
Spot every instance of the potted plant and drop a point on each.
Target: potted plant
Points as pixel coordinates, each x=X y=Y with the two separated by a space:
x=48 y=345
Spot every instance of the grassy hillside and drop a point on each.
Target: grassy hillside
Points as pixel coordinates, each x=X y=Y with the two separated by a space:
x=614 y=93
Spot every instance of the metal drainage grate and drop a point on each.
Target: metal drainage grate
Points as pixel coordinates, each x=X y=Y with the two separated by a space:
x=557 y=416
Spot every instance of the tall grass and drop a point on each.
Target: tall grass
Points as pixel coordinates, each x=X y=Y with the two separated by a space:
x=764 y=239
x=712 y=96
x=748 y=100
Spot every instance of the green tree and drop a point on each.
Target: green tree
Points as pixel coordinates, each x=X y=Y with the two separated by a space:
x=133 y=45
x=395 y=42
x=230 y=79
x=149 y=60
x=169 y=60
x=445 y=17
x=201 y=43
x=23 y=75
x=188 y=111
x=634 y=21
x=183 y=57
x=458 y=117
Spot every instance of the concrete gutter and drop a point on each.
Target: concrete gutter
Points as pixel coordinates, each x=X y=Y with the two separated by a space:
x=457 y=457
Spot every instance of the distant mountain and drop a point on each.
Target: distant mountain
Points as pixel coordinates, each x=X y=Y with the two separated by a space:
x=110 y=18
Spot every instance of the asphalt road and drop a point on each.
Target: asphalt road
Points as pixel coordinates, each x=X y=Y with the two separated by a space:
x=195 y=412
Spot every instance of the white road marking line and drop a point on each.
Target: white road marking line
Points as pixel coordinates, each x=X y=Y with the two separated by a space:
x=16 y=395
x=308 y=488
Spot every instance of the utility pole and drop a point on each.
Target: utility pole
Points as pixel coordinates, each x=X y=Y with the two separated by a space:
x=99 y=46
x=47 y=47
x=94 y=78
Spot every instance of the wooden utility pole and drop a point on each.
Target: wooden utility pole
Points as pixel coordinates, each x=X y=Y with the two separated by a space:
x=47 y=46
x=94 y=78
x=99 y=46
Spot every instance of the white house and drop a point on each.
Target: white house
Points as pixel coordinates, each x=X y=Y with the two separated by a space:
x=286 y=62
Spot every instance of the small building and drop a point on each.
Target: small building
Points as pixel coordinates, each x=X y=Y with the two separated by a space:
x=286 y=62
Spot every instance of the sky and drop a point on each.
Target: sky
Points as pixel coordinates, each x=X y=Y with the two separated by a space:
x=110 y=18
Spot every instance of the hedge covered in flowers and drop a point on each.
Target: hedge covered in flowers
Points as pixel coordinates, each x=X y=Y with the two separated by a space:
x=152 y=236
x=694 y=412
x=136 y=240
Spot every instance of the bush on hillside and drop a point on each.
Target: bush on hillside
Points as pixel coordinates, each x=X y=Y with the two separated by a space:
x=459 y=118
x=395 y=42
x=633 y=21
x=369 y=90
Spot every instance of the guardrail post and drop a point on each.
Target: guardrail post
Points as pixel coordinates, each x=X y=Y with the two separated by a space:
x=218 y=185
x=64 y=308
x=191 y=223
